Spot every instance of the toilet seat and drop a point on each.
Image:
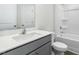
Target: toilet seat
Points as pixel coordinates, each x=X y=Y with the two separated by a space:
x=60 y=46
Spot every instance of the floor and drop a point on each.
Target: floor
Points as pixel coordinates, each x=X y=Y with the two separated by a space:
x=69 y=53
x=66 y=53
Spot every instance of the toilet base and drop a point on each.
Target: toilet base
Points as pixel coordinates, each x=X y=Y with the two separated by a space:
x=59 y=48
x=58 y=52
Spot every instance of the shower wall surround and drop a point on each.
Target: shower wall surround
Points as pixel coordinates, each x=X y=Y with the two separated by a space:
x=70 y=13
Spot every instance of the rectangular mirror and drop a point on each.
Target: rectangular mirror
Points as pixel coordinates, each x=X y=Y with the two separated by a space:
x=14 y=16
x=8 y=16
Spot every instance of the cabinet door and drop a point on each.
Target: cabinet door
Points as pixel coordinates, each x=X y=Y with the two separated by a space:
x=44 y=50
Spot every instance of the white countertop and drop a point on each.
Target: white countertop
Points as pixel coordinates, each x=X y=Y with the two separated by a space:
x=7 y=42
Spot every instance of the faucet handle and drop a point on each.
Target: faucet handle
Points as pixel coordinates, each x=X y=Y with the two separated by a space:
x=14 y=25
x=60 y=27
x=22 y=25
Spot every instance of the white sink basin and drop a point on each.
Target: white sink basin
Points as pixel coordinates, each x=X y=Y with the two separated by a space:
x=25 y=36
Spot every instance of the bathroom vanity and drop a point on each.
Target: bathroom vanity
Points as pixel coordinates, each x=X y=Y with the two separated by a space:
x=38 y=44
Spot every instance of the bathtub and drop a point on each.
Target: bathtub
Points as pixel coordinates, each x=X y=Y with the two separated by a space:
x=71 y=40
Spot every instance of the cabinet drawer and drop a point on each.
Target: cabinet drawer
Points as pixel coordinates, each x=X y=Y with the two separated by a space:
x=44 y=50
x=29 y=47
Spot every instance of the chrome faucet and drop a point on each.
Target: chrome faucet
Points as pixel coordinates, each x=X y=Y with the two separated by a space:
x=24 y=30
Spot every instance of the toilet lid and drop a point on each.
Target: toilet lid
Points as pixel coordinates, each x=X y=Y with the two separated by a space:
x=60 y=46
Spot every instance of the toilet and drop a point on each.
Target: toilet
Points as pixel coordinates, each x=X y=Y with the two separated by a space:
x=59 y=48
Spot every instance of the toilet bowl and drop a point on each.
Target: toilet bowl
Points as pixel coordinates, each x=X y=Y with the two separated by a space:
x=59 y=48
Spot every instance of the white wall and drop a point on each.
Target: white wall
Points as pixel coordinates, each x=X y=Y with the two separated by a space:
x=45 y=17
x=8 y=16
x=59 y=15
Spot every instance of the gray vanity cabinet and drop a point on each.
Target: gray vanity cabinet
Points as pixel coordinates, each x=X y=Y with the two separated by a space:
x=40 y=46
x=44 y=50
